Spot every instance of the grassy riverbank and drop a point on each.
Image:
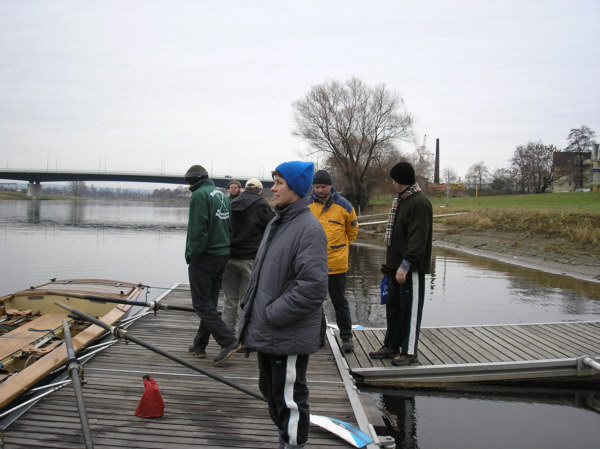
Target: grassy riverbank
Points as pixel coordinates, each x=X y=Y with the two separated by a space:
x=585 y=202
x=558 y=229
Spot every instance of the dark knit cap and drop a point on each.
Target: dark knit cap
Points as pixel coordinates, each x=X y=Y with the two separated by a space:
x=195 y=173
x=322 y=177
x=403 y=173
x=298 y=175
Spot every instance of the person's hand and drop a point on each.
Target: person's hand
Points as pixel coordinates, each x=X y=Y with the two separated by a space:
x=401 y=275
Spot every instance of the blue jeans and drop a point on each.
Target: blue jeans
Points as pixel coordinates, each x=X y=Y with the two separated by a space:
x=206 y=277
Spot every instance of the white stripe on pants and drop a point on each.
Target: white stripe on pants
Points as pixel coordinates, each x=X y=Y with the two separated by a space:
x=290 y=380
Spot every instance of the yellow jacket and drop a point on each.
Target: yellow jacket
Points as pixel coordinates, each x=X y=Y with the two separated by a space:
x=338 y=219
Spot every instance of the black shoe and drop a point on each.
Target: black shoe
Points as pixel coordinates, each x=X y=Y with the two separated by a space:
x=347 y=345
x=383 y=353
x=404 y=360
x=197 y=352
x=227 y=352
x=321 y=342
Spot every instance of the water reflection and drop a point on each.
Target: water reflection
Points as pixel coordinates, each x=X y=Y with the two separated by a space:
x=464 y=289
x=140 y=215
x=76 y=213
x=527 y=280
x=491 y=417
x=362 y=286
x=33 y=211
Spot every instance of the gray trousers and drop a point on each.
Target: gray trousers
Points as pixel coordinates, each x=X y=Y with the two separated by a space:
x=235 y=281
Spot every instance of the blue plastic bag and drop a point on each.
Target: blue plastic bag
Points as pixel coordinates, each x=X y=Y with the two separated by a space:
x=384 y=289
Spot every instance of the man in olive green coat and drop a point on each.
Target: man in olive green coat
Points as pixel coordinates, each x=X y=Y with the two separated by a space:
x=207 y=252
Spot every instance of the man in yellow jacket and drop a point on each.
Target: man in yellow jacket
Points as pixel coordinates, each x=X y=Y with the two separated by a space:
x=338 y=218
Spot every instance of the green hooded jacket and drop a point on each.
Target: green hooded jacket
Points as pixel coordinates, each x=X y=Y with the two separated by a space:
x=209 y=224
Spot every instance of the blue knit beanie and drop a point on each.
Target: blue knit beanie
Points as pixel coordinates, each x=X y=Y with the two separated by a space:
x=298 y=175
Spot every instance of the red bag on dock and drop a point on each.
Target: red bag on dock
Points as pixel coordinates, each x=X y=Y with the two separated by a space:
x=151 y=405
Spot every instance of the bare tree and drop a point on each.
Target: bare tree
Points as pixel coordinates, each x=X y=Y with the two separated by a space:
x=422 y=161
x=532 y=164
x=78 y=188
x=477 y=174
x=504 y=181
x=448 y=175
x=580 y=140
x=355 y=126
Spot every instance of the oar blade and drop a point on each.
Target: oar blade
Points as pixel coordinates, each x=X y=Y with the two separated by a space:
x=342 y=429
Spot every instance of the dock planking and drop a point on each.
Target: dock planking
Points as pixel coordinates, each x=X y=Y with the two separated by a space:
x=199 y=411
x=483 y=354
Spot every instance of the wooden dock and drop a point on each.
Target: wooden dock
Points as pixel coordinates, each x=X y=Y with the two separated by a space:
x=199 y=411
x=549 y=352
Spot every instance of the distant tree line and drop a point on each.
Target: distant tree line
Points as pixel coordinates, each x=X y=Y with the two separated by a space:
x=530 y=169
x=79 y=189
x=180 y=192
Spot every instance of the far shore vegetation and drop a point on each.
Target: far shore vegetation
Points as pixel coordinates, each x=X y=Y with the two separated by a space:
x=574 y=216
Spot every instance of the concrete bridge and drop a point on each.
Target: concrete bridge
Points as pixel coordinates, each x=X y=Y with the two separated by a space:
x=36 y=177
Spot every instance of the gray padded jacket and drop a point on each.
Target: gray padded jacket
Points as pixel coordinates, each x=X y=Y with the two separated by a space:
x=282 y=306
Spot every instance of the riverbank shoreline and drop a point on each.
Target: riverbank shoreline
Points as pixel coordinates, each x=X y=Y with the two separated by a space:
x=529 y=251
x=581 y=272
x=551 y=255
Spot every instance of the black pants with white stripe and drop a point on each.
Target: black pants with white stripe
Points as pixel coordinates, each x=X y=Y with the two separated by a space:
x=403 y=312
x=282 y=381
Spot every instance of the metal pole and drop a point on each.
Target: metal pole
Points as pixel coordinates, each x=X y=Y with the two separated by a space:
x=153 y=305
x=591 y=363
x=74 y=371
x=120 y=333
x=347 y=432
x=447 y=187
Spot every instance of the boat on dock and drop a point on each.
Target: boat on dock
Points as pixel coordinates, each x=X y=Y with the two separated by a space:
x=32 y=340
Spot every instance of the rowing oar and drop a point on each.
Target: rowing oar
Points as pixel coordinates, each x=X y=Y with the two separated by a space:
x=74 y=370
x=345 y=431
x=153 y=305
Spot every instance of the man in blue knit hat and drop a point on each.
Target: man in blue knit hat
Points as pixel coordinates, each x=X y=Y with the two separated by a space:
x=282 y=307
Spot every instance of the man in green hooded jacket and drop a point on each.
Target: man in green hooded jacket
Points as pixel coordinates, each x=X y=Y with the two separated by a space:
x=207 y=253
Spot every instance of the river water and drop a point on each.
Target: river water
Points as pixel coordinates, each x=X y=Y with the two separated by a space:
x=144 y=242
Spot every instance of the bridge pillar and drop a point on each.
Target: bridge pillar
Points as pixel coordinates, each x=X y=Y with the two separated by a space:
x=34 y=190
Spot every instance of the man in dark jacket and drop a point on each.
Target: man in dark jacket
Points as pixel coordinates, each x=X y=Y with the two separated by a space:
x=250 y=214
x=206 y=252
x=408 y=239
x=282 y=307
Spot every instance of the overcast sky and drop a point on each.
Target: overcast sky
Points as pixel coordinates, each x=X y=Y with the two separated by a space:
x=157 y=86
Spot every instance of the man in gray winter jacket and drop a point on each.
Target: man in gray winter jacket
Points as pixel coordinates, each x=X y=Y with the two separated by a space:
x=282 y=307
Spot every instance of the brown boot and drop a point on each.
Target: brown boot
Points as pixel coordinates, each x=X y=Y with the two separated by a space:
x=404 y=360
x=384 y=353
